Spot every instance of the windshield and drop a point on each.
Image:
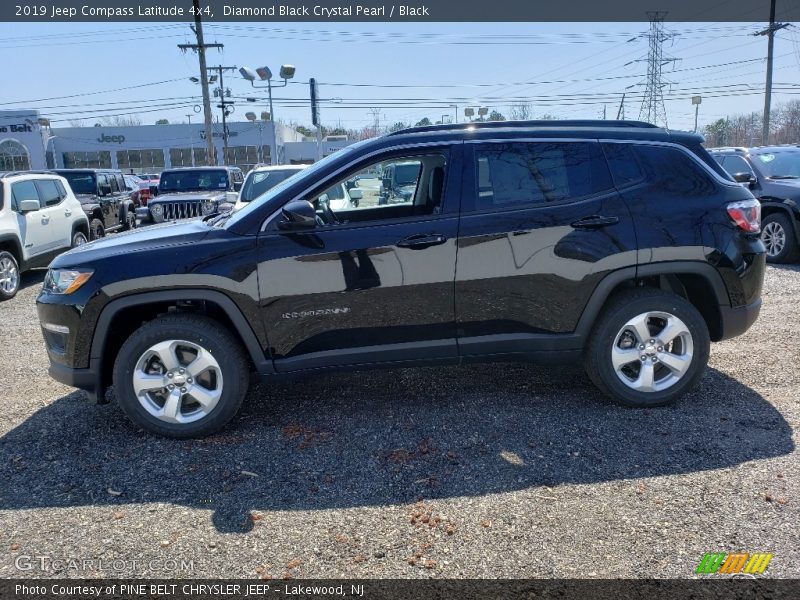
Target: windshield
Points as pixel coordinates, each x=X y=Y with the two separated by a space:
x=780 y=165
x=191 y=181
x=406 y=174
x=81 y=183
x=308 y=174
x=261 y=181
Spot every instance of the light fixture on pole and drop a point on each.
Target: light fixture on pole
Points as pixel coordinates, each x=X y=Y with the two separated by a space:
x=482 y=112
x=469 y=113
x=696 y=100
x=265 y=74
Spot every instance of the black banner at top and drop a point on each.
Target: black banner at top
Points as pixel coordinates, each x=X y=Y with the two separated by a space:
x=385 y=11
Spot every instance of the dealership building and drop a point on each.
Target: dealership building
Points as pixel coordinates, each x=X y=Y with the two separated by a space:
x=27 y=141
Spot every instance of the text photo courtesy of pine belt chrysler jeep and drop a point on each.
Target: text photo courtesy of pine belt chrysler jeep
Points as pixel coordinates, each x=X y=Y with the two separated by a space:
x=39 y=219
x=612 y=243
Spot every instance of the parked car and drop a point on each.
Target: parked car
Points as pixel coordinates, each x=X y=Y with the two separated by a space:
x=617 y=244
x=398 y=181
x=773 y=175
x=193 y=192
x=39 y=218
x=262 y=178
x=105 y=198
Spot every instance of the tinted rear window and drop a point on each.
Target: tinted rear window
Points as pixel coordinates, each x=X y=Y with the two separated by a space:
x=673 y=170
x=518 y=174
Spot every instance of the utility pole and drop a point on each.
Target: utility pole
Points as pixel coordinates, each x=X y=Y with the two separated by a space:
x=191 y=138
x=770 y=33
x=653 y=109
x=223 y=104
x=621 y=110
x=200 y=48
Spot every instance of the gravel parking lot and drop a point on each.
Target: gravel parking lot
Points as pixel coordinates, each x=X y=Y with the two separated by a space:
x=482 y=471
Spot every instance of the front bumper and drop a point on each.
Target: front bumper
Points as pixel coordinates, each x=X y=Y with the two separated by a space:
x=143 y=214
x=735 y=321
x=85 y=379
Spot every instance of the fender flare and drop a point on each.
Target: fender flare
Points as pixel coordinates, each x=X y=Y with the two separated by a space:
x=242 y=326
x=606 y=286
x=17 y=247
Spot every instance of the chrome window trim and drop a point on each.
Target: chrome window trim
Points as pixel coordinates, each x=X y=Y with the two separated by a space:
x=338 y=172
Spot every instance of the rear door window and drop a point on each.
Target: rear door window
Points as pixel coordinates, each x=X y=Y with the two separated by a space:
x=520 y=174
x=673 y=170
x=623 y=164
x=49 y=194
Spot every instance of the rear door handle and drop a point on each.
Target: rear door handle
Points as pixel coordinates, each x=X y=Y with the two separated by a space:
x=45 y=220
x=595 y=222
x=67 y=213
x=422 y=240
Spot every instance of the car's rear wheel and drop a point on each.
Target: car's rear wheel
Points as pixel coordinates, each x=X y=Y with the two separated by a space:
x=778 y=236
x=181 y=376
x=130 y=221
x=648 y=348
x=78 y=239
x=9 y=275
x=96 y=229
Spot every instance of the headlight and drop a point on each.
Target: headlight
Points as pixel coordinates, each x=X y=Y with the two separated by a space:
x=65 y=281
x=157 y=209
x=208 y=207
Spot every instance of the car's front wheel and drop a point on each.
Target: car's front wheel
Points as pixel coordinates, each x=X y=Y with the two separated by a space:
x=779 y=239
x=648 y=348
x=9 y=275
x=96 y=229
x=181 y=376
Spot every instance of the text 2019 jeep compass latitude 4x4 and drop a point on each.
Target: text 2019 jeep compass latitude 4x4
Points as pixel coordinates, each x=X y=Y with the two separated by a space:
x=616 y=243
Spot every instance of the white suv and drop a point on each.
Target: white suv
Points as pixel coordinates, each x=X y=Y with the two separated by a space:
x=39 y=218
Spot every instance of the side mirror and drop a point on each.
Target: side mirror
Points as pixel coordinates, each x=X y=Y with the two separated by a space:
x=323 y=199
x=231 y=197
x=298 y=214
x=237 y=185
x=356 y=194
x=153 y=190
x=747 y=178
x=26 y=206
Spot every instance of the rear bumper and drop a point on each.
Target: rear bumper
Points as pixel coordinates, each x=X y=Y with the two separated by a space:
x=85 y=379
x=735 y=321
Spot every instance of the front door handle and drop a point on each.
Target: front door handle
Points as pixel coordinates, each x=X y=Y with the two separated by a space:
x=594 y=222
x=422 y=240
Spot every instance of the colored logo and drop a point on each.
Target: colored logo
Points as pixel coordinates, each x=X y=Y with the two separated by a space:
x=736 y=562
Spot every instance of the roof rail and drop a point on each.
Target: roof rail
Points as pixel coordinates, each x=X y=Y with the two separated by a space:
x=525 y=124
x=728 y=148
x=30 y=172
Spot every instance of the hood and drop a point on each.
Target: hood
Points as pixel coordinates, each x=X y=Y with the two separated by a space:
x=86 y=198
x=789 y=187
x=189 y=196
x=157 y=236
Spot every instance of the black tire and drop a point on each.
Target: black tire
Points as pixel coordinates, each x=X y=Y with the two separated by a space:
x=209 y=335
x=777 y=224
x=96 y=229
x=130 y=220
x=9 y=275
x=78 y=239
x=620 y=309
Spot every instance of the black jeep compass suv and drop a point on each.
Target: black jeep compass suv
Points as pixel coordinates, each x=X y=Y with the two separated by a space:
x=614 y=243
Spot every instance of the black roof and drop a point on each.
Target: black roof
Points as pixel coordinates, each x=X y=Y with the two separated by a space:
x=203 y=168
x=610 y=129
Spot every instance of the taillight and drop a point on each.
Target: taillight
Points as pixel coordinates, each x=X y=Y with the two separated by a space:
x=144 y=196
x=746 y=214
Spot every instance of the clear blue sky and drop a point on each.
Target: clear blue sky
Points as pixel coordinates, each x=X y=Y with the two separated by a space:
x=491 y=64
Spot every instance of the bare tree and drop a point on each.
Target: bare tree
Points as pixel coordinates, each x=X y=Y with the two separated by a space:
x=521 y=111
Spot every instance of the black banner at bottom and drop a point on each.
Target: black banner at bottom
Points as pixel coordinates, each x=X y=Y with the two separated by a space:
x=402 y=589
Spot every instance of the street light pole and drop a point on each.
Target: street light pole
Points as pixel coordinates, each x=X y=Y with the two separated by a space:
x=273 y=155
x=191 y=138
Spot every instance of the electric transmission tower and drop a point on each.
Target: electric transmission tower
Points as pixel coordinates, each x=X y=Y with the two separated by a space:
x=653 y=110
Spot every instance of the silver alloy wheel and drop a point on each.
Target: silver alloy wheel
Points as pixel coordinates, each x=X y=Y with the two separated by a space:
x=652 y=351
x=9 y=275
x=774 y=238
x=78 y=239
x=177 y=381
